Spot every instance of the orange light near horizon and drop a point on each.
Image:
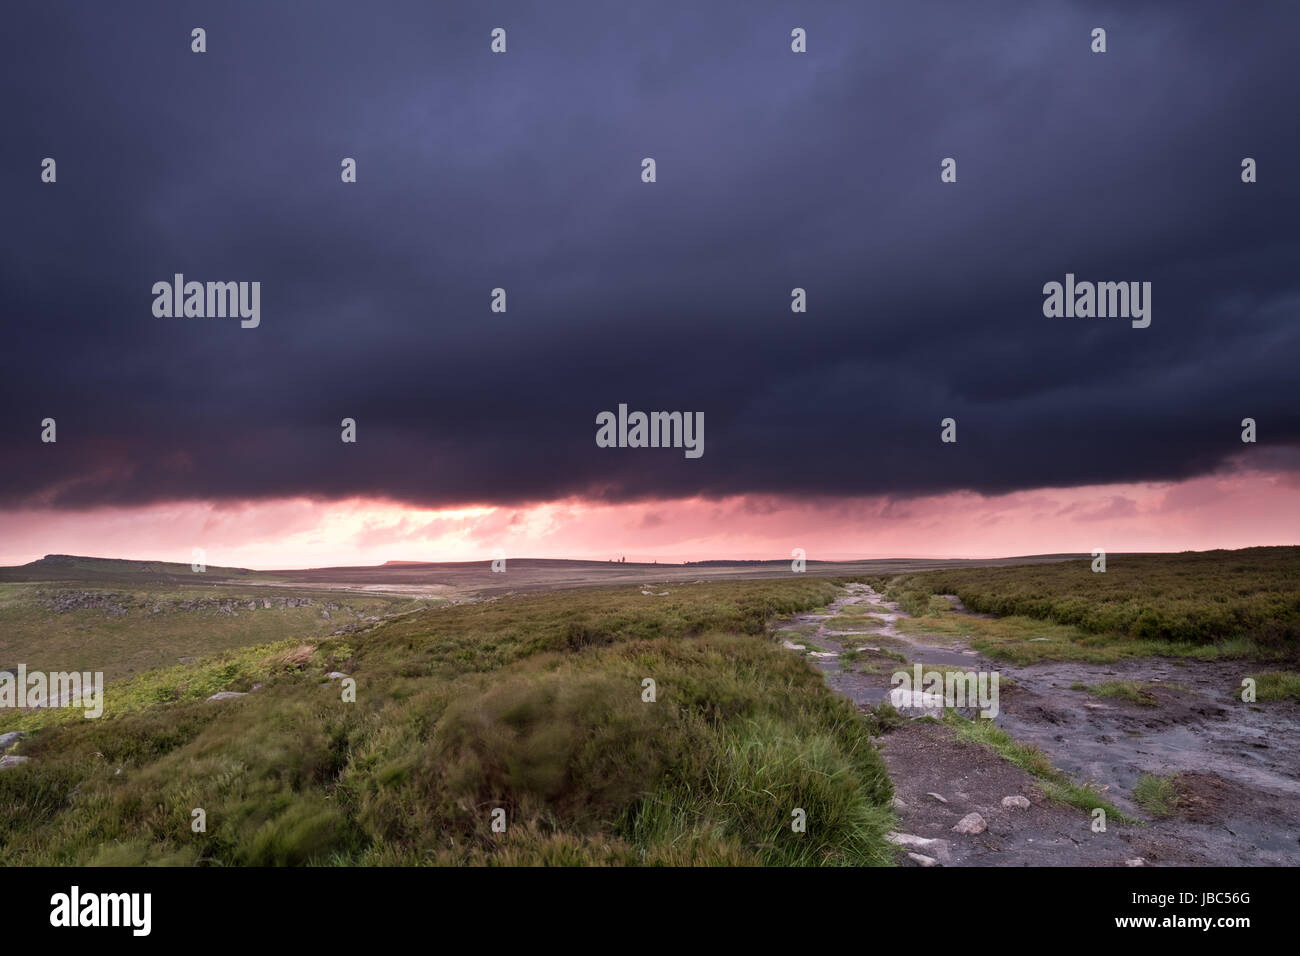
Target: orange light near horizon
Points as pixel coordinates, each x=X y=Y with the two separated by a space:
x=1238 y=509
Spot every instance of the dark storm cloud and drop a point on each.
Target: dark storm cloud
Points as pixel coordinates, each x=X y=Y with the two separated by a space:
x=522 y=171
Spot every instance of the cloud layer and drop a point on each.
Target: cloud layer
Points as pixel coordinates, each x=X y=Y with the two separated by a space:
x=522 y=171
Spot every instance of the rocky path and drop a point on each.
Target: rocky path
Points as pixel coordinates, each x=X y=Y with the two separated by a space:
x=961 y=803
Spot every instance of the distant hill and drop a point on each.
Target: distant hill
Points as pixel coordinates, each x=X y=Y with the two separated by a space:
x=78 y=568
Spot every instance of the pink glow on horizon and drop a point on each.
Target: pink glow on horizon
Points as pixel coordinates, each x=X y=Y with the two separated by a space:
x=1228 y=510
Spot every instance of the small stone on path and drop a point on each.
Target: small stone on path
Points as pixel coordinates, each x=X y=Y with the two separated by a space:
x=971 y=823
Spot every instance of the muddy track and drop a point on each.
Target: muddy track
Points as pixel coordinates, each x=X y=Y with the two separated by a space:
x=1240 y=763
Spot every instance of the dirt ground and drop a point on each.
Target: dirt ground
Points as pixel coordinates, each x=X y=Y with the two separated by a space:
x=1236 y=766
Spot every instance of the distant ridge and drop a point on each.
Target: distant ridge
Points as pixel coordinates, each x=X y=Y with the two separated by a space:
x=460 y=579
x=77 y=567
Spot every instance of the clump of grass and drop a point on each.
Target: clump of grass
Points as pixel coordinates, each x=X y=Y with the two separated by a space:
x=855 y=624
x=866 y=661
x=916 y=599
x=1157 y=795
x=764 y=777
x=1025 y=756
x=886 y=717
x=1275 y=685
x=291 y=659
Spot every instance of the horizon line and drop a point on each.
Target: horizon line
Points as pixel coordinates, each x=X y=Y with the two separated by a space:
x=648 y=560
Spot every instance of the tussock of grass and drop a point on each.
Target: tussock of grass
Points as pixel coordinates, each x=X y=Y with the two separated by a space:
x=1274 y=685
x=1158 y=796
x=854 y=624
x=853 y=610
x=886 y=717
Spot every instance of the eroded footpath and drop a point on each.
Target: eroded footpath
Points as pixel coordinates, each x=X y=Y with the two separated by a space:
x=1239 y=763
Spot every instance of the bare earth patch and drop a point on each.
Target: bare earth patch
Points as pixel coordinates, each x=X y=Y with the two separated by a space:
x=924 y=758
x=1236 y=763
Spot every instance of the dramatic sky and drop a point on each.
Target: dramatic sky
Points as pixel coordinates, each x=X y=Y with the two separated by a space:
x=775 y=170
